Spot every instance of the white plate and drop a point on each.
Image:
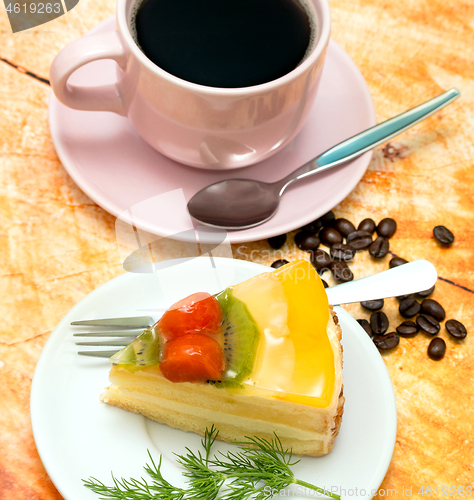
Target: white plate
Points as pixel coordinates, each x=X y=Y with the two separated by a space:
x=77 y=436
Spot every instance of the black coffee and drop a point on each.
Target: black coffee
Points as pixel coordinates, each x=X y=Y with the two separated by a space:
x=224 y=43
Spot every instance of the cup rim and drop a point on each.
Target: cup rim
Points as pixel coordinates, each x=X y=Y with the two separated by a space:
x=324 y=24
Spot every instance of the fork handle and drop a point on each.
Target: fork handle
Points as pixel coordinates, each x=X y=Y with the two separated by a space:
x=412 y=277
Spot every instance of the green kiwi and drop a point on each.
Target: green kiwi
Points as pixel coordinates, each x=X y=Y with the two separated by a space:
x=241 y=337
x=141 y=352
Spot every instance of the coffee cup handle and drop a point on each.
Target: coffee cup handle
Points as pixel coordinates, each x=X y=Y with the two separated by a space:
x=73 y=56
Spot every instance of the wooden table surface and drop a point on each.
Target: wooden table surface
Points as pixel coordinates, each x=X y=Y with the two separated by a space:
x=57 y=245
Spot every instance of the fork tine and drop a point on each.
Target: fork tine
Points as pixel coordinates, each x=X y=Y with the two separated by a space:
x=130 y=328
x=97 y=354
x=104 y=343
x=133 y=322
x=125 y=333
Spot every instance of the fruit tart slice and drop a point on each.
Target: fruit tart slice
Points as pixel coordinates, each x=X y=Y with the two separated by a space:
x=259 y=357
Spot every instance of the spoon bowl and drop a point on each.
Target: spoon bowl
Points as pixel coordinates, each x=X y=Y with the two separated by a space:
x=235 y=203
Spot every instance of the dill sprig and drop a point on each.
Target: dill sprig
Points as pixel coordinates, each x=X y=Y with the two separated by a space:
x=257 y=473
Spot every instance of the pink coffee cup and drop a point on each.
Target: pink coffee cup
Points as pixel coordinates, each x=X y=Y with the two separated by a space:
x=200 y=126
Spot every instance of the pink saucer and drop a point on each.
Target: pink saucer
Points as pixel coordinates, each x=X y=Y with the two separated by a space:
x=118 y=170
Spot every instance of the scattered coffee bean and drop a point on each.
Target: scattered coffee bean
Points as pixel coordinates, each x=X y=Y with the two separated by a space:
x=433 y=308
x=307 y=241
x=341 y=272
x=320 y=260
x=328 y=220
x=325 y=284
x=359 y=239
x=279 y=263
x=456 y=329
x=379 y=322
x=344 y=226
x=425 y=293
x=372 y=305
x=443 y=235
x=341 y=251
x=437 y=349
x=396 y=261
x=277 y=241
x=366 y=326
x=313 y=227
x=409 y=308
x=387 y=342
x=367 y=225
x=386 y=227
x=428 y=324
x=329 y=236
x=407 y=329
x=379 y=248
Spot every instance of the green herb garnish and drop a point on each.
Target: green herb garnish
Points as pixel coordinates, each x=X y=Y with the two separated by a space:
x=258 y=473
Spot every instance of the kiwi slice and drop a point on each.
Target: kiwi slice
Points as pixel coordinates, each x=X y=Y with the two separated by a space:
x=141 y=352
x=241 y=337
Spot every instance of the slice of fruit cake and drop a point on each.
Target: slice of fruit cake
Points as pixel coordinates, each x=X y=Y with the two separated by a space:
x=258 y=358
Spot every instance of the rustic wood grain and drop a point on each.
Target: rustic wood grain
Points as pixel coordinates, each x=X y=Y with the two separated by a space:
x=56 y=245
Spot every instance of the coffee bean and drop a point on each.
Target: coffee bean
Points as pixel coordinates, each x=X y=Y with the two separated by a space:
x=433 y=308
x=341 y=251
x=437 y=349
x=425 y=293
x=443 y=235
x=456 y=329
x=409 y=308
x=307 y=241
x=366 y=326
x=372 y=305
x=403 y=297
x=386 y=227
x=396 y=261
x=359 y=239
x=279 y=263
x=379 y=248
x=379 y=322
x=328 y=220
x=407 y=329
x=320 y=260
x=313 y=227
x=325 y=284
x=367 y=225
x=428 y=324
x=344 y=226
x=387 y=342
x=341 y=272
x=277 y=241
x=329 y=236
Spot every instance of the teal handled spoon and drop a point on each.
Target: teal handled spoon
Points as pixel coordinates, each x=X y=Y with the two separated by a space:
x=244 y=203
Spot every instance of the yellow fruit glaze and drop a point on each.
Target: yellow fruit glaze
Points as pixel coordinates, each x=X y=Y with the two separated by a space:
x=295 y=359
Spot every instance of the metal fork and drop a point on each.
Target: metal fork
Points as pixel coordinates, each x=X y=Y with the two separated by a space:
x=124 y=331
x=412 y=277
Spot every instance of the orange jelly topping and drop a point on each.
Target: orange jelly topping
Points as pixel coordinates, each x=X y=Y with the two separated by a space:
x=295 y=358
